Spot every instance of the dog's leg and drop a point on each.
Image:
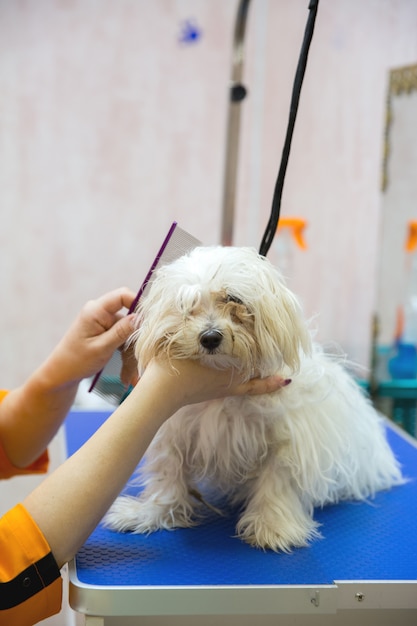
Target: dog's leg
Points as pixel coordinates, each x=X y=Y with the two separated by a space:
x=166 y=501
x=274 y=517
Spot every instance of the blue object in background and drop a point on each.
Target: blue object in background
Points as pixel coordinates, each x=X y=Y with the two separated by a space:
x=404 y=363
x=190 y=32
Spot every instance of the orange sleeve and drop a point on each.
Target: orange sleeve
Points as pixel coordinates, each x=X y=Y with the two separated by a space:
x=30 y=581
x=7 y=469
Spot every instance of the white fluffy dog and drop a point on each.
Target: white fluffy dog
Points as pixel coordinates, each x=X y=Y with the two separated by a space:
x=316 y=441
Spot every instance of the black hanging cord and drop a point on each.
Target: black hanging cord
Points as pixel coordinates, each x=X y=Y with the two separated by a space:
x=298 y=81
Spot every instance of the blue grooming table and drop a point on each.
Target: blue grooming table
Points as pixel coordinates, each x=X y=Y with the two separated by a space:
x=366 y=560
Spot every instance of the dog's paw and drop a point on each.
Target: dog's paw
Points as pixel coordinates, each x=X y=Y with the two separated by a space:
x=280 y=537
x=129 y=514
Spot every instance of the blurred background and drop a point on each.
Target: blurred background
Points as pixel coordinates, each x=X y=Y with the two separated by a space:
x=113 y=124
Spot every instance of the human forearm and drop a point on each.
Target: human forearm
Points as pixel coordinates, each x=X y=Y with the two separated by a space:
x=70 y=502
x=31 y=415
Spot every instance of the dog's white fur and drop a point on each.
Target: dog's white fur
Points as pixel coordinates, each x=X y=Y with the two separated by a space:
x=277 y=456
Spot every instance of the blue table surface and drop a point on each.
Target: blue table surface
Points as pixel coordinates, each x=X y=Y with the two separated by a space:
x=361 y=541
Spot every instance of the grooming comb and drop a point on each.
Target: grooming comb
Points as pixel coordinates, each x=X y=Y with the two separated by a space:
x=107 y=383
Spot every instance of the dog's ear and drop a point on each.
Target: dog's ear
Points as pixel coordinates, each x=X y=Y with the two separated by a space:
x=154 y=316
x=280 y=326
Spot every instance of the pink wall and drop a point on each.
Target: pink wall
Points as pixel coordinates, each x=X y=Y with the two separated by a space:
x=110 y=128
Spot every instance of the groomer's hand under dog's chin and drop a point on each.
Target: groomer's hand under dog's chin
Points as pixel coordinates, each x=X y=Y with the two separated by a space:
x=220 y=383
x=191 y=382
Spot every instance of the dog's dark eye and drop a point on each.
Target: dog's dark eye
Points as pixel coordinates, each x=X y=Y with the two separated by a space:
x=235 y=299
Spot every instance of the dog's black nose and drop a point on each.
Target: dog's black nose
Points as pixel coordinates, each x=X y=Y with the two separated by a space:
x=211 y=339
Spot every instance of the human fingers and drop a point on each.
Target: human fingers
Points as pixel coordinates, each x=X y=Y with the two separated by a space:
x=117 y=335
x=116 y=300
x=253 y=386
x=100 y=315
x=258 y=386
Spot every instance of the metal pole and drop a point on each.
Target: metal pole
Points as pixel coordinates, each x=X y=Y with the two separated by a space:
x=237 y=94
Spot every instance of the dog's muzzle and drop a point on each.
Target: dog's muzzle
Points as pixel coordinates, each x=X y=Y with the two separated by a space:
x=211 y=339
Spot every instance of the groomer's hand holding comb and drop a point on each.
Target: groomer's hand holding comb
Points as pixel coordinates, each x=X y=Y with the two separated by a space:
x=31 y=414
x=101 y=327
